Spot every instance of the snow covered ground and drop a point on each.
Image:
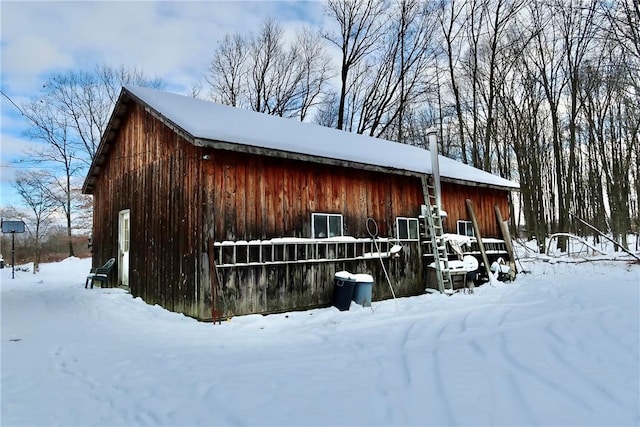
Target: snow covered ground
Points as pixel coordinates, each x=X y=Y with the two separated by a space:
x=559 y=346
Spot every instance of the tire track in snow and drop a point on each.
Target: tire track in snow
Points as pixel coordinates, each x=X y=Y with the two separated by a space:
x=496 y=382
x=441 y=397
x=475 y=347
x=389 y=371
x=403 y=346
x=553 y=385
x=145 y=418
x=582 y=377
x=418 y=379
x=609 y=332
x=524 y=405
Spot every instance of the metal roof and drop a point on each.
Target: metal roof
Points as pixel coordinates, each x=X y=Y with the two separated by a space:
x=208 y=124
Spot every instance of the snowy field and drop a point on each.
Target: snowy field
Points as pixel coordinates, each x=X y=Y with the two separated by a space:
x=559 y=346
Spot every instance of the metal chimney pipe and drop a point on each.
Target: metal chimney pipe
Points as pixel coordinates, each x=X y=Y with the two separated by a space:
x=432 y=133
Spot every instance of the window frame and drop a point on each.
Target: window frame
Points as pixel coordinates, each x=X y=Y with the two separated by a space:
x=408 y=221
x=468 y=225
x=328 y=224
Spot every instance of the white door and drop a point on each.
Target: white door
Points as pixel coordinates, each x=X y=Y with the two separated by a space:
x=123 y=247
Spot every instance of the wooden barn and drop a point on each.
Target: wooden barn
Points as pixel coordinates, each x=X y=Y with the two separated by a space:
x=214 y=211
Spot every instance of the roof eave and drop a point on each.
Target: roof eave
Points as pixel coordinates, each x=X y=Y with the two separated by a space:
x=119 y=110
x=478 y=184
x=261 y=151
x=105 y=142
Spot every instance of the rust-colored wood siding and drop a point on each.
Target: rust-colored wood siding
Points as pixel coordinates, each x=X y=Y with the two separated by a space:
x=182 y=198
x=483 y=199
x=153 y=172
x=259 y=197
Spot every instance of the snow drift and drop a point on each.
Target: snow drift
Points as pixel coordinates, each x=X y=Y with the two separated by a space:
x=559 y=346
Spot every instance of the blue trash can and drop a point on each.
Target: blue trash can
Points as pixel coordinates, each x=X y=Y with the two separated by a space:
x=363 y=290
x=343 y=285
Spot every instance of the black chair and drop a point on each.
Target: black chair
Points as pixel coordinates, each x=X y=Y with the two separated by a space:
x=101 y=274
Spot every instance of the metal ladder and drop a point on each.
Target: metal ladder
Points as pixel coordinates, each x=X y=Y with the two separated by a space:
x=433 y=230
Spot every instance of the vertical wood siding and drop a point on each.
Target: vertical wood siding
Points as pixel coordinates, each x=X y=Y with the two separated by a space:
x=259 y=197
x=155 y=174
x=180 y=203
x=483 y=199
x=275 y=288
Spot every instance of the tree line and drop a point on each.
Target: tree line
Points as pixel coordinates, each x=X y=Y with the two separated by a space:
x=67 y=119
x=543 y=93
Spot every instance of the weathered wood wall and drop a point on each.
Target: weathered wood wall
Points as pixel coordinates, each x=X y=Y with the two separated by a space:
x=179 y=203
x=257 y=197
x=484 y=200
x=152 y=172
x=274 y=288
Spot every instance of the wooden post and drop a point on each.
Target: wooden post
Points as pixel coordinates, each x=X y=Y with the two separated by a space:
x=213 y=278
x=506 y=236
x=476 y=230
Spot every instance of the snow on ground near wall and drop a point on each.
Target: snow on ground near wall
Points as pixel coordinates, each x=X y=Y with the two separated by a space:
x=558 y=346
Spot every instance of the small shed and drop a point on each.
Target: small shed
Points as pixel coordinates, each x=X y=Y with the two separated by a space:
x=214 y=211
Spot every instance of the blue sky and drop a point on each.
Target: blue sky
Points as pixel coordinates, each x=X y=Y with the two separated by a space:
x=171 y=40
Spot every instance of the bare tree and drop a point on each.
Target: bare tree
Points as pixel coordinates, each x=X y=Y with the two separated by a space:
x=261 y=72
x=361 y=27
x=547 y=56
x=497 y=64
x=452 y=23
x=69 y=118
x=86 y=98
x=33 y=188
x=227 y=70
x=58 y=152
x=316 y=72
x=623 y=20
x=579 y=30
x=399 y=77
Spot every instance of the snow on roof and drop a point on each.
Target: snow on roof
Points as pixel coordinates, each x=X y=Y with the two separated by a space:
x=210 y=121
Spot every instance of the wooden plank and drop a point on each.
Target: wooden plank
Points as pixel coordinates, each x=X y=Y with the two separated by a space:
x=351 y=203
x=337 y=183
x=279 y=208
x=476 y=229
x=219 y=196
x=216 y=314
x=251 y=200
x=309 y=200
x=269 y=178
x=230 y=205
x=386 y=227
x=342 y=197
x=287 y=205
x=240 y=197
x=506 y=236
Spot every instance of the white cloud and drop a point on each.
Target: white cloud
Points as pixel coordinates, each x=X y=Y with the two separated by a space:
x=167 y=39
x=31 y=54
x=14 y=146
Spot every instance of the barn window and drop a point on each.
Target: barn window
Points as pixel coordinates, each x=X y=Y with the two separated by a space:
x=326 y=225
x=465 y=228
x=407 y=228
